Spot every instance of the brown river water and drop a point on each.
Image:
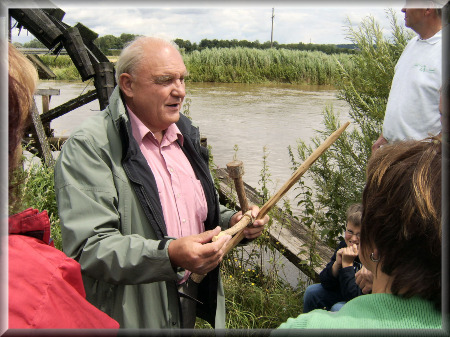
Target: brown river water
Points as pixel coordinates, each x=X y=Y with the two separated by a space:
x=249 y=116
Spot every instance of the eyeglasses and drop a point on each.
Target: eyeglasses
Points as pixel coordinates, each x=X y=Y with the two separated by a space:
x=350 y=232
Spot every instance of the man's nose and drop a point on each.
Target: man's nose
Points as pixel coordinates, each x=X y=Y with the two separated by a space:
x=179 y=89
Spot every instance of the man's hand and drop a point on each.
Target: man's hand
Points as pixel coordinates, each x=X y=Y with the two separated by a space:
x=197 y=253
x=380 y=142
x=364 y=279
x=255 y=230
x=348 y=255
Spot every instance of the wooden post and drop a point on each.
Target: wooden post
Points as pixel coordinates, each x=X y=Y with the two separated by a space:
x=41 y=142
x=236 y=171
x=46 y=95
x=45 y=103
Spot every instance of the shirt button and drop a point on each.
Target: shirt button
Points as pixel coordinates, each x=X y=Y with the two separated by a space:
x=184 y=220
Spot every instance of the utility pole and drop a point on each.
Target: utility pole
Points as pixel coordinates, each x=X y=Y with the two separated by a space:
x=271 y=35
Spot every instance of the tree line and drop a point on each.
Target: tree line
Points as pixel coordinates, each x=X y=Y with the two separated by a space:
x=109 y=43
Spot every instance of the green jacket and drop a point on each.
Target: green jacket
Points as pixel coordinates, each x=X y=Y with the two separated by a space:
x=112 y=223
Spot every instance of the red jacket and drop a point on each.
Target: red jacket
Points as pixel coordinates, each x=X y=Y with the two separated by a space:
x=45 y=286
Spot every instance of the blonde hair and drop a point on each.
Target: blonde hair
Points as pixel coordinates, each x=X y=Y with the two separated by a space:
x=22 y=81
x=24 y=74
x=354 y=214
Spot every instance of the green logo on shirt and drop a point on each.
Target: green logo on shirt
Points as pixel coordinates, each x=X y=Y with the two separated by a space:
x=423 y=68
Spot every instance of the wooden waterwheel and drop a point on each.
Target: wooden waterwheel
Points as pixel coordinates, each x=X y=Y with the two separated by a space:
x=47 y=26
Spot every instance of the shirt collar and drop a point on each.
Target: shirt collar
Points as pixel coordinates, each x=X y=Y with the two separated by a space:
x=140 y=131
x=432 y=40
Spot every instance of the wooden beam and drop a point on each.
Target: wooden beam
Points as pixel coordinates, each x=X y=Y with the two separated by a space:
x=43 y=71
x=69 y=106
x=48 y=92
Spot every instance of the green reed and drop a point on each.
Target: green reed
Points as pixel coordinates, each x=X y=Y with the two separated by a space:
x=62 y=66
x=241 y=65
x=247 y=65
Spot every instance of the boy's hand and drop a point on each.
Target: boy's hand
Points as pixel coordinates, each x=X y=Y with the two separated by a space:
x=338 y=263
x=339 y=257
x=348 y=255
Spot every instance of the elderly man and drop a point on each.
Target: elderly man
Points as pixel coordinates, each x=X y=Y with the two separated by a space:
x=412 y=110
x=135 y=197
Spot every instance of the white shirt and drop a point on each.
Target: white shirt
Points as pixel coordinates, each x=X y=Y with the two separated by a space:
x=412 y=111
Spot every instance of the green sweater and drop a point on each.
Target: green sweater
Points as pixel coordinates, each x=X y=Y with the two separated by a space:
x=372 y=311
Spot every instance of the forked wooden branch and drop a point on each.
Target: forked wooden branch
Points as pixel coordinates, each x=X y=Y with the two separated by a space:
x=282 y=191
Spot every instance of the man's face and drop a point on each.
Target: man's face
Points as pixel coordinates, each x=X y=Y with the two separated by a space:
x=413 y=17
x=157 y=89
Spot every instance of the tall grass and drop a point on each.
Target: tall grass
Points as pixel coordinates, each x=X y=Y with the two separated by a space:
x=247 y=65
x=241 y=65
x=62 y=66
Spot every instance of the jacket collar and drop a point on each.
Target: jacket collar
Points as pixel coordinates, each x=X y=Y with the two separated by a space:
x=31 y=223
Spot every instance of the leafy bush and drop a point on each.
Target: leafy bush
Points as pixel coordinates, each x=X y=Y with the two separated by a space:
x=338 y=176
x=36 y=190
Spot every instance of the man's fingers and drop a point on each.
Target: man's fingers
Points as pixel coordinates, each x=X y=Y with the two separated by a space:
x=252 y=232
x=214 y=249
x=255 y=211
x=212 y=254
x=207 y=236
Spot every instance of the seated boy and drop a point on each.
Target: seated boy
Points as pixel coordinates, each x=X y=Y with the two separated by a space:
x=337 y=281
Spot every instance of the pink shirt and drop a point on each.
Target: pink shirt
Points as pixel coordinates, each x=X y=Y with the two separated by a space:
x=182 y=198
x=181 y=194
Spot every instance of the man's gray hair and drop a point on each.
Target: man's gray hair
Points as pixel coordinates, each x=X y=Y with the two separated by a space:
x=133 y=53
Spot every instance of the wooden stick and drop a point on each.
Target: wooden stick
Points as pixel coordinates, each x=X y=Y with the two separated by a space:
x=245 y=221
x=282 y=191
x=294 y=178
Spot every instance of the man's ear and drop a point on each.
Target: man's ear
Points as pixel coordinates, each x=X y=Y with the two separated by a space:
x=126 y=84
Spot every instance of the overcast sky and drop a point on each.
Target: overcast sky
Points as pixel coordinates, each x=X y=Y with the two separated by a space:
x=295 y=21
